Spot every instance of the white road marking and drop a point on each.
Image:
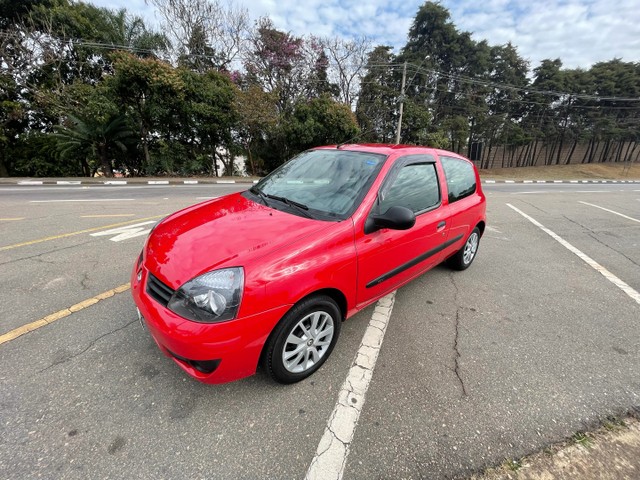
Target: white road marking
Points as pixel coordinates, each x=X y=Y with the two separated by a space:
x=190 y=182
x=584 y=257
x=538 y=191
x=610 y=211
x=126 y=232
x=109 y=215
x=115 y=182
x=31 y=182
x=68 y=182
x=331 y=455
x=85 y=200
x=158 y=182
x=206 y=198
x=493 y=229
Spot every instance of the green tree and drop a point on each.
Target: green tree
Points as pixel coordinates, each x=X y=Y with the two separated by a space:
x=258 y=118
x=321 y=121
x=87 y=140
x=376 y=109
x=207 y=117
x=13 y=121
x=149 y=89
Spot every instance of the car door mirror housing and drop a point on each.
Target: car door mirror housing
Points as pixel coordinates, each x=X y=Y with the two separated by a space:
x=396 y=218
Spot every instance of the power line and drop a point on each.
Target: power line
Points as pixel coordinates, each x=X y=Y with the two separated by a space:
x=392 y=65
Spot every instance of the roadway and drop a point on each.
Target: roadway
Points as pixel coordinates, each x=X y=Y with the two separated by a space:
x=528 y=346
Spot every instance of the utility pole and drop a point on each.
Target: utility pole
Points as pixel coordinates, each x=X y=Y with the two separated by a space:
x=404 y=78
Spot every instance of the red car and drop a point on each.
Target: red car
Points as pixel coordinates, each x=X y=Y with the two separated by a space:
x=269 y=274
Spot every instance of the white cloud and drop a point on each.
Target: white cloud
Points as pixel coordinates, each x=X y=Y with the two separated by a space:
x=580 y=32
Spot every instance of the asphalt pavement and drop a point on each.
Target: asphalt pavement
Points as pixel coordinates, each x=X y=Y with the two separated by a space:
x=528 y=346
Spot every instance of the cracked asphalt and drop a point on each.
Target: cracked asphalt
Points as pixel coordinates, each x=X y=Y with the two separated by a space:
x=520 y=351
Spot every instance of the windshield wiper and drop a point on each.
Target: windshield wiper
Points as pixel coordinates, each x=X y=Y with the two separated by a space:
x=300 y=207
x=259 y=193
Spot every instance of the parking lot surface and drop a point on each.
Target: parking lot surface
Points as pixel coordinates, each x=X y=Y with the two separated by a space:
x=529 y=345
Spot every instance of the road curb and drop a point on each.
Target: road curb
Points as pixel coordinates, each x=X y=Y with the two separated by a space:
x=559 y=181
x=124 y=182
x=251 y=181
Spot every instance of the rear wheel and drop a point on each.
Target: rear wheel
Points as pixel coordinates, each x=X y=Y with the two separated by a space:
x=465 y=256
x=303 y=340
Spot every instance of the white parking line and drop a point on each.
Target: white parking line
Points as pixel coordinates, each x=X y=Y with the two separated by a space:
x=588 y=260
x=331 y=456
x=610 y=211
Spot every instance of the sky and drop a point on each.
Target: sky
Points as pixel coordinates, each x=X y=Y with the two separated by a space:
x=579 y=32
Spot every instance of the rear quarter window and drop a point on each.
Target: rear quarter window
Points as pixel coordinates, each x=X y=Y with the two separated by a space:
x=461 y=178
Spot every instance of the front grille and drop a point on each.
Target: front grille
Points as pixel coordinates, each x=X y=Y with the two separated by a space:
x=160 y=292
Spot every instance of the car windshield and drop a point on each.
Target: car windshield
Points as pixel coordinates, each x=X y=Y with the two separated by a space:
x=321 y=183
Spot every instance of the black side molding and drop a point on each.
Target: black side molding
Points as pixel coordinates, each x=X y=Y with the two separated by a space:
x=412 y=262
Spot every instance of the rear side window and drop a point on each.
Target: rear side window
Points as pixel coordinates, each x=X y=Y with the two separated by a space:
x=414 y=187
x=461 y=178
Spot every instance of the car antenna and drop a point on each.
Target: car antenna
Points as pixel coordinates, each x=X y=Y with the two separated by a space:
x=360 y=135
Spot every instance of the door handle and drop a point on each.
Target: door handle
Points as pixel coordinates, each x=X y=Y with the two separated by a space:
x=441 y=225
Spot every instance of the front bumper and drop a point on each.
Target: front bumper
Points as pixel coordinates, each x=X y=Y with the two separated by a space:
x=232 y=348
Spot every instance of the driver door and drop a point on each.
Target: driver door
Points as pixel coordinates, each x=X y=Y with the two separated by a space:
x=388 y=258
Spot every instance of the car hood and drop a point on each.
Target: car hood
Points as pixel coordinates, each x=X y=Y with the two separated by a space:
x=225 y=232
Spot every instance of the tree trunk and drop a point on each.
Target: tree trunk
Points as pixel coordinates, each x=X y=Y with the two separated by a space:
x=573 y=149
x=4 y=172
x=534 y=159
x=594 y=149
x=145 y=145
x=586 y=153
x=107 y=169
x=605 y=151
x=488 y=154
x=559 y=152
x=626 y=154
x=633 y=150
x=251 y=164
x=552 y=149
x=86 y=171
x=618 y=154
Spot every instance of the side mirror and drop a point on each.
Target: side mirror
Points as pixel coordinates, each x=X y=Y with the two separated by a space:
x=396 y=218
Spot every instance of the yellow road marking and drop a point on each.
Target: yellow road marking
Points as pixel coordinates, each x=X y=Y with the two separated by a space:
x=30 y=327
x=64 y=235
x=108 y=216
x=10 y=219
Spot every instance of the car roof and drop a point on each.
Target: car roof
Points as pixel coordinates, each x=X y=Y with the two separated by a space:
x=388 y=149
x=383 y=148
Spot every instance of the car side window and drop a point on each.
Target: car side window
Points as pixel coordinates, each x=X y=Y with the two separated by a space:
x=461 y=178
x=415 y=186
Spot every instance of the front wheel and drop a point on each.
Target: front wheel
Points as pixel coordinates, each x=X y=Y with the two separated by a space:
x=465 y=256
x=303 y=340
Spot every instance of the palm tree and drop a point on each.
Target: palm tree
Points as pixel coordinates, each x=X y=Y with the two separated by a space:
x=94 y=140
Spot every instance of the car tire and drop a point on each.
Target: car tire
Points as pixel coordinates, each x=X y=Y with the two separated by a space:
x=303 y=340
x=464 y=257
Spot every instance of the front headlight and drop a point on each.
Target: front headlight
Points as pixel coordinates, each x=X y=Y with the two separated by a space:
x=211 y=297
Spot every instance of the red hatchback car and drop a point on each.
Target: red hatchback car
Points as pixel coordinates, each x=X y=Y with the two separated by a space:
x=269 y=274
